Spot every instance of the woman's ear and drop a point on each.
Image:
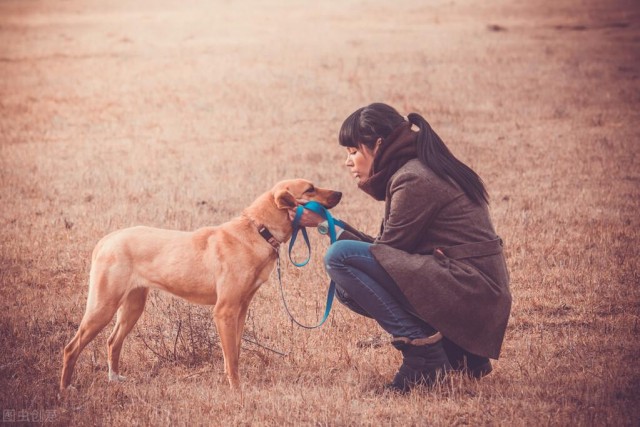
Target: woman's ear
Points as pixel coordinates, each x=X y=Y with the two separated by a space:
x=285 y=200
x=378 y=143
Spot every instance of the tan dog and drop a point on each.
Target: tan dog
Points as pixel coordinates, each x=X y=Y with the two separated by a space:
x=223 y=265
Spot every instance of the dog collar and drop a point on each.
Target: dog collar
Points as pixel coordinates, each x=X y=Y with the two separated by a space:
x=266 y=235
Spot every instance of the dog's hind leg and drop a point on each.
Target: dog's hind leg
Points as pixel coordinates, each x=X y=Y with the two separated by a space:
x=94 y=320
x=128 y=314
x=104 y=299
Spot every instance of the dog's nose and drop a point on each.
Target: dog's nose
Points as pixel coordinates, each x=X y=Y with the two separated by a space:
x=334 y=199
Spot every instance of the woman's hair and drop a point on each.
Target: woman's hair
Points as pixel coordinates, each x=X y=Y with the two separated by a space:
x=365 y=125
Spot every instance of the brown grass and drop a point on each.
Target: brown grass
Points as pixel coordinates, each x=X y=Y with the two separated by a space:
x=178 y=114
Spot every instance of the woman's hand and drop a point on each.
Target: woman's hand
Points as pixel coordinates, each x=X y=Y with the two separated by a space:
x=308 y=218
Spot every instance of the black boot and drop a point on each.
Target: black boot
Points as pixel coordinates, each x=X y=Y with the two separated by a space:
x=461 y=360
x=421 y=364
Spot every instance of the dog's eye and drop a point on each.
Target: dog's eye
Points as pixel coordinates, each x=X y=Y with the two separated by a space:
x=310 y=190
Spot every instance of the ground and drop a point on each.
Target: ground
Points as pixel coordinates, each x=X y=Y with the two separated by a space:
x=178 y=114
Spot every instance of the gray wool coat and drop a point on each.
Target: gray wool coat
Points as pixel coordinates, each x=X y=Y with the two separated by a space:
x=445 y=257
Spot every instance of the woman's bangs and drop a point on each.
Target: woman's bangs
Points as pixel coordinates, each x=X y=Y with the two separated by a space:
x=349 y=135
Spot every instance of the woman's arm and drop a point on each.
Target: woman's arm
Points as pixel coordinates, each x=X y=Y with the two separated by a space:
x=312 y=219
x=414 y=204
x=351 y=233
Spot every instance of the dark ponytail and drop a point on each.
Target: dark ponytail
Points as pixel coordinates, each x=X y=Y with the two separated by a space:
x=435 y=155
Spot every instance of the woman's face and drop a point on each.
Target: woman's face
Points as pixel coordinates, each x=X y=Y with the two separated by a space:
x=359 y=161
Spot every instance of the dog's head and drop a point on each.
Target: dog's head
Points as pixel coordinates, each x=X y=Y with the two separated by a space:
x=293 y=192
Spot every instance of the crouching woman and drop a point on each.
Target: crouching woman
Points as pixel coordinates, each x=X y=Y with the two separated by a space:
x=435 y=277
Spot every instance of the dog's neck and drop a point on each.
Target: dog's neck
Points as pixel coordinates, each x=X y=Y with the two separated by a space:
x=264 y=213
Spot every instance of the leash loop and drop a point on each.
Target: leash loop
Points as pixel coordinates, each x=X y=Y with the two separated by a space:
x=332 y=222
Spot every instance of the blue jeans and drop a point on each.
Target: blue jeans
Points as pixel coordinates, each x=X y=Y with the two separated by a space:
x=366 y=288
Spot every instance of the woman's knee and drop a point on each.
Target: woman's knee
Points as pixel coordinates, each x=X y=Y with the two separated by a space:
x=335 y=255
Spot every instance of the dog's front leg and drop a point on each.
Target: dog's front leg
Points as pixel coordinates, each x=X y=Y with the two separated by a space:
x=226 y=319
x=242 y=318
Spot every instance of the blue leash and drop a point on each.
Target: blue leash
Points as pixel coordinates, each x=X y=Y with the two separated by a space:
x=332 y=222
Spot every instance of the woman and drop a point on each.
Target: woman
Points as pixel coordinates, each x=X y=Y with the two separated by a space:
x=435 y=278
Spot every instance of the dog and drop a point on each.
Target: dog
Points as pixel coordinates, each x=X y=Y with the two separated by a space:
x=221 y=266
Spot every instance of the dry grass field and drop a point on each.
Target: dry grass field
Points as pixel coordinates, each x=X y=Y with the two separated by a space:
x=178 y=114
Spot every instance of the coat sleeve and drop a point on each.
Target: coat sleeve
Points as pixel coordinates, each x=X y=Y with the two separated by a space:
x=351 y=233
x=414 y=202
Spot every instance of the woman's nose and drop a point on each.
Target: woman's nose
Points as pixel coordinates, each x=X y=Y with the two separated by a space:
x=348 y=162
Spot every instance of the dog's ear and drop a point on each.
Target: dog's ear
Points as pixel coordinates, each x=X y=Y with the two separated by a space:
x=285 y=200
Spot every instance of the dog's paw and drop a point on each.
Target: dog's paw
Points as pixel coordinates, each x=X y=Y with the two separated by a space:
x=113 y=377
x=66 y=392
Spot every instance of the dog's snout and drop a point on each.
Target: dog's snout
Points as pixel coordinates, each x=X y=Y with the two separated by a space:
x=335 y=197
